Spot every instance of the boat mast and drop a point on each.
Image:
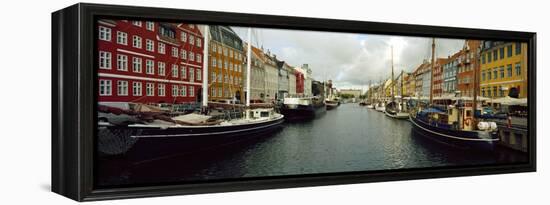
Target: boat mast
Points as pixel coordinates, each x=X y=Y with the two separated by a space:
x=205 y=66
x=248 y=63
x=392 y=84
x=402 y=94
x=476 y=64
x=432 y=71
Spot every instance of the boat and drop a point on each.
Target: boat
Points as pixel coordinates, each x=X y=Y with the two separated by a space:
x=331 y=101
x=302 y=108
x=380 y=107
x=455 y=123
x=370 y=106
x=145 y=132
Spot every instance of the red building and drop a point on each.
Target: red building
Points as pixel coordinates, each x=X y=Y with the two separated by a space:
x=467 y=65
x=438 y=77
x=299 y=82
x=149 y=62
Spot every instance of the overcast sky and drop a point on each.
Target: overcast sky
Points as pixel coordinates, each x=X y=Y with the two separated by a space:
x=350 y=60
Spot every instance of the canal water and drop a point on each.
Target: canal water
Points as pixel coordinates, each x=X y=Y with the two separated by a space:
x=349 y=138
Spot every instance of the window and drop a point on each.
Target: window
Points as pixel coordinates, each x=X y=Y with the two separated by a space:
x=518 y=69
x=483 y=92
x=483 y=76
x=104 y=60
x=136 y=64
x=150 y=26
x=149 y=45
x=174 y=52
x=184 y=90
x=191 y=56
x=230 y=66
x=495 y=55
x=136 y=23
x=162 y=89
x=488 y=91
x=104 y=87
x=136 y=42
x=104 y=33
x=231 y=53
x=199 y=74
x=509 y=70
x=489 y=75
x=199 y=42
x=183 y=72
x=162 y=48
x=214 y=48
x=199 y=58
x=225 y=64
x=175 y=91
x=136 y=89
x=149 y=66
x=502 y=53
x=191 y=91
x=225 y=51
x=213 y=77
x=502 y=72
x=121 y=38
x=518 y=48
x=489 y=57
x=122 y=88
x=214 y=62
x=191 y=75
x=183 y=54
x=495 y=73
x=183 y=36
x=213 y=92
x=150 y=89
x=501 y=91
x=191 y=40
x=162 y=68
x=220 y=78
x=219 y=92
x=174 y=70
x=167 y=32
x=219 y=49
x=495 y=91
x=122 y=62
x=509 y=50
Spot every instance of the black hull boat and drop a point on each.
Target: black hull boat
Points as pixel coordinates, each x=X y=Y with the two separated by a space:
x=472 y=140
x=143 y=142
x=302 y=112
x=393 y=111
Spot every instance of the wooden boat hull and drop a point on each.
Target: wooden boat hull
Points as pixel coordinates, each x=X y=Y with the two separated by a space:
x=474 y=140
x=146 y=143
x=331 y=105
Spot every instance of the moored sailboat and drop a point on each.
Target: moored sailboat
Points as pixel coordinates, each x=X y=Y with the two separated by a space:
x=394 y=109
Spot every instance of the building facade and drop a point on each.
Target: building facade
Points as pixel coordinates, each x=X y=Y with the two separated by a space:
x=283 y=80
x=466 y=69
x=308 y=78
x=257 y=76
x=272 y=77
x=438 y=77
x=226 y=64
x=291 y=79
x=450 y=70
x=149 y=62
x=299 y=76
x=503 y=69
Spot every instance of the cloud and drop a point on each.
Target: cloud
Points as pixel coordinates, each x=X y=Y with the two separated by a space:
x=350 y=60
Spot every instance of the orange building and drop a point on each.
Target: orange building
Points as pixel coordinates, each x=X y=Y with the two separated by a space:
x=226 y=64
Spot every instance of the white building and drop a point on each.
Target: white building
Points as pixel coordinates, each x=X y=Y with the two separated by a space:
x=257 y=76
x=271 y=77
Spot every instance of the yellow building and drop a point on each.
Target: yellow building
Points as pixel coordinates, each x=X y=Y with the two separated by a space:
x=503 y=69
x=226 y=67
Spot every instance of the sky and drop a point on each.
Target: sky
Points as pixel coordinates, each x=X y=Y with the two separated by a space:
x=350 y=60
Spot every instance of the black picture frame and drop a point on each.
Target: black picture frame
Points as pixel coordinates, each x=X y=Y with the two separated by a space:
x=74 y=108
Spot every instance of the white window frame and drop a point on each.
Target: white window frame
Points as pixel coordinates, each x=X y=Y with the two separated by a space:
x=183 y=36
x=136 y=41
x=162 y=89
x=104 y=60
x=104 y=33
x=122 y=88
x=122 y=62
x=199 y=74
x=199 y=42
x=137 y=64
x=175 y=70
x=149 y=45
x=105 y=87
x=214 y=62
x=162 y=68
x=183 y=54
x=136 y=23
x=191 y=74
x=175 y=52
x=191 y=39
x=183 y=72
x=122 y=38
x=149 y=66
x=150 y=89
x=136 y=89
x=184 y=91
x=191 y=56
x=162 y=48
x=149 y=25
x=175 y=91
x=199 y=58
x=191 y=91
